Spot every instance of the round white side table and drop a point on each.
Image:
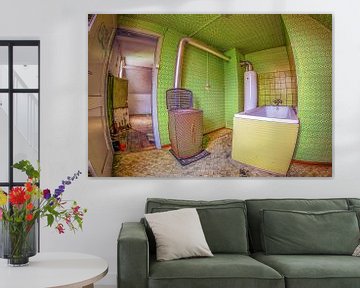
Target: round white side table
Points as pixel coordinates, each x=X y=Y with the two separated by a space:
x=50 y=270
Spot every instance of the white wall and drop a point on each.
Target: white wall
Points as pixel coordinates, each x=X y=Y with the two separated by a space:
x=61 y=25
x=139 y=103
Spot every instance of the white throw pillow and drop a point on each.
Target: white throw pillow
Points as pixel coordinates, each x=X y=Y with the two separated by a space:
x=178 y=234
x=357 y=251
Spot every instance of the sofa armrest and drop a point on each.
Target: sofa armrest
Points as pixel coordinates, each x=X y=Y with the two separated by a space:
x=133 y=256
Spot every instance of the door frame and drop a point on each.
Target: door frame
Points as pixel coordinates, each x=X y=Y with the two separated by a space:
x=155 y=72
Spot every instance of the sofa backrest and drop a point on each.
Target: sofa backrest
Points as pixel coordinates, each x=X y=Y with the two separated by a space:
x=223 y=221
x=256 y=205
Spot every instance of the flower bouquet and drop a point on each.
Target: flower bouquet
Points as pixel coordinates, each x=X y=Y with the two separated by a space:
x=21 y=208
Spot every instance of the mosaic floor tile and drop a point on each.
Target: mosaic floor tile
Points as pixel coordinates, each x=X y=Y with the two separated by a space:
x=161 y=163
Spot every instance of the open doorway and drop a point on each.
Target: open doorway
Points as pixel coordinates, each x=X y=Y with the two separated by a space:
x=137 y=53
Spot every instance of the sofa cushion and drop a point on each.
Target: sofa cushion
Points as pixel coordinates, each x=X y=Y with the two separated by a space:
x=178 y=234
x=222 y=270
x=254 y=217
x=356 y=209
x=223 y=221
x=313 y=271
x=354 y=205
x=353 y=201
x=297 y=232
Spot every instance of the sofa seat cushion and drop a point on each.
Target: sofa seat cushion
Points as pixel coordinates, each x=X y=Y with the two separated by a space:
x=313 y=271
x=222 y=270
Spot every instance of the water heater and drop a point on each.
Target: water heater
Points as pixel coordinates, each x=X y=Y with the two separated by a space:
x=250 y=90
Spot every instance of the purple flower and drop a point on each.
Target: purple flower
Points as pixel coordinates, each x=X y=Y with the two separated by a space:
x=57 y=193
x=68 y=181
x=46 y=194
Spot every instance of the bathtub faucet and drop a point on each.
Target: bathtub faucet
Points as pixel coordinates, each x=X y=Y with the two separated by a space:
x=277 y=101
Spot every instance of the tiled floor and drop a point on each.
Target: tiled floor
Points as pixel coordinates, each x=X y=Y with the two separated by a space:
x=161 y=163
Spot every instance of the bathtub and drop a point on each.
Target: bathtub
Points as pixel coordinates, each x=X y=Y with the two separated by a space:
x=284 y=114
x=265 y=138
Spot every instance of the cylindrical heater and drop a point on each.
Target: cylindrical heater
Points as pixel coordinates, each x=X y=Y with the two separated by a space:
x=185 y=123
x=250 y=90
x=186 y=132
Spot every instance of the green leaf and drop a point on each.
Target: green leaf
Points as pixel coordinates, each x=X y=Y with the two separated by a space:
x=79 y=221
x=50 y=219
x=26 y=166
x=52 y=211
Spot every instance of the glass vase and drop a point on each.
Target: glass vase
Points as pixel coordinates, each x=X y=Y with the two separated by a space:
x=18 y=242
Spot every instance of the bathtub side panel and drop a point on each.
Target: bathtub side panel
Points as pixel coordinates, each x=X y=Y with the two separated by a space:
x=264 y=144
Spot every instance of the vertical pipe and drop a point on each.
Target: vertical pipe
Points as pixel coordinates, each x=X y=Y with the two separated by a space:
x=179 y=62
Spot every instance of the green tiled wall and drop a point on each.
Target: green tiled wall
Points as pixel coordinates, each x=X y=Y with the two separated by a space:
x=275 y=78
x=234 y=86
x=269 y=60
x=212 y=100
x=311 y=43
x=290 y=54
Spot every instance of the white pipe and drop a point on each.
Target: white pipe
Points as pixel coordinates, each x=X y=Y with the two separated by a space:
x=180 y=56
x=247 y=64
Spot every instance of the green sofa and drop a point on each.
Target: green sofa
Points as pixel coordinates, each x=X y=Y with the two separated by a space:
x=236 y=234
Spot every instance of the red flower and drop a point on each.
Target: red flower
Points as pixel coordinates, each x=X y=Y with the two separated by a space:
x=29 y=206
x=60 y=228
x=68 y=219
x=17 y=196
x=75 y=209
x=29 y=217
x=29 y=186
x=27 y=196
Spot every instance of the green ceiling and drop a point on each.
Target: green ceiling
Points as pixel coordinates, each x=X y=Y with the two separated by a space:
x=247 y=32
x=184 y=23
x=325 y=19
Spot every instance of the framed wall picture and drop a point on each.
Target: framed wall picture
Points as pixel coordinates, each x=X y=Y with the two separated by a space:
x=210 y=95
